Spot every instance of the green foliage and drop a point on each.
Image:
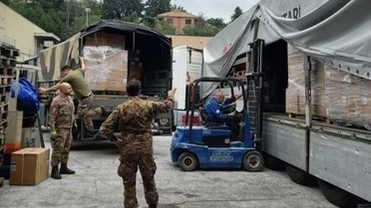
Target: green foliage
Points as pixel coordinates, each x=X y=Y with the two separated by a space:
x=203 y=27
x=61 y=17
x=156 y=7
x=216 y=22
x=164 y=27
x=122 y=9
x=177 y=7
x=66 y=17
x=237 y=13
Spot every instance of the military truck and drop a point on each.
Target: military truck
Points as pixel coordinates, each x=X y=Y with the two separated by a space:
x=114 y=53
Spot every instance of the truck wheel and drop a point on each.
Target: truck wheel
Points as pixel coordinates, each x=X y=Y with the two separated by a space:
x=337 y=196
x=300 y=176
x=253 y=161
x=187 y=161
x=273 y=163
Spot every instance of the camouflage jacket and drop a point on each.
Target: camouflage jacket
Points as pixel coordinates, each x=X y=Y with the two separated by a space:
x=133 y=119
x=61 y=114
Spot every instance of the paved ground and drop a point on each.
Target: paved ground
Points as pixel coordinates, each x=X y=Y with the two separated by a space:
x=97 y=185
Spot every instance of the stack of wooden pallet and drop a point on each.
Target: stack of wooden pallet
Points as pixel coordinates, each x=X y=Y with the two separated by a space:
x=8 y=55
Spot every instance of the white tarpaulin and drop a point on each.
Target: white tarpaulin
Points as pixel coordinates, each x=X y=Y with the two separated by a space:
x=335 y=31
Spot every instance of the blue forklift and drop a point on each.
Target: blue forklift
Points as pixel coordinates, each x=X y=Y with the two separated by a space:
x=214 y=145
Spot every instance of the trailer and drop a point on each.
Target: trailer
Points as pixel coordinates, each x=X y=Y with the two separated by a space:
x=187 y=67
x=317 y=137
x=115 y=52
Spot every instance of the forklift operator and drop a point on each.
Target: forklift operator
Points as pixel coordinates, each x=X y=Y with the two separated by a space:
x=216 y=109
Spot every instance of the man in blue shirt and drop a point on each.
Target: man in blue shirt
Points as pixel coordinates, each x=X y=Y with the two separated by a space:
x=216 y=111
x=215 y=108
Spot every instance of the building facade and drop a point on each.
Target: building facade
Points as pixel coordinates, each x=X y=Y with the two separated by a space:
x=178 y=19
x=23 y=34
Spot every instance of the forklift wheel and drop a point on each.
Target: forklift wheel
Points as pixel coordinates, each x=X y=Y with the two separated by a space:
x=253 y=161
x=187 y=161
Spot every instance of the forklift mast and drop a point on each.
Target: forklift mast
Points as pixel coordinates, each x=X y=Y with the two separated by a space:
x=255 y=89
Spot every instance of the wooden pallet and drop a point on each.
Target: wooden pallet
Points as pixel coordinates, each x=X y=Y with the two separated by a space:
x=5 y=80
x=314 y=117
x=6 y=71
x=6 y=62
x=4 y=89
x=8 y=51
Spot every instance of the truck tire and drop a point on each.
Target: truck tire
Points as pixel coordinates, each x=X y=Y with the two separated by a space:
x=273 y=163
x=337 y=196
x=187 y=161
x=253 y=161
x=300 y=176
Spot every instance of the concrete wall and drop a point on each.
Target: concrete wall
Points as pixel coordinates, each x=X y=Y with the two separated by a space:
x=191 y=41
x=21 y=30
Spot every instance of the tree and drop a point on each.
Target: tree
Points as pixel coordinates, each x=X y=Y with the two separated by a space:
x=237 y=13
x=201 y=28
x=121 y=9
x=177 y=7
x=164 y=27
x=156 y=7
x=216 y=22
x=61 y=17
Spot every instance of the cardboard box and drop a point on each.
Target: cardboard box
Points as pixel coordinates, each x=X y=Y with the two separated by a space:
x=30 y=166
x=107 y=68
x=295 y=93
x=106 y=38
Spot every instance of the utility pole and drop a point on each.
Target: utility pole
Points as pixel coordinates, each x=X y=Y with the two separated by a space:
x=68 y=5
x=87 y=10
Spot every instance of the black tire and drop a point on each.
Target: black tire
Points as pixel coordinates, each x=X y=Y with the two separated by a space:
x=300 y=176
x=187 y=161
x=253 y=161
x=337 y=196
x=274 y=163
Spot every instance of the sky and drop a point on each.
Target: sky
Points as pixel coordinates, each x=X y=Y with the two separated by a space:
x=214 y=8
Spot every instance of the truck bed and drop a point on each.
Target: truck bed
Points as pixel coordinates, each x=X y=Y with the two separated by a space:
x=336 y=154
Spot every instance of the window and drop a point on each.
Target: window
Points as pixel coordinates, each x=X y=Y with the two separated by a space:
x=188 y=21
x=170 y=21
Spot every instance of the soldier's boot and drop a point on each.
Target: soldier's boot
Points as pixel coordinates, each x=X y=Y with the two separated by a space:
x=65 y=170
x=55 y=173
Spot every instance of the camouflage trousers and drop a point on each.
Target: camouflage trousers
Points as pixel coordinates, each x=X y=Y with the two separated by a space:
x=128 y=169
x=86 y=110
x=61 y=147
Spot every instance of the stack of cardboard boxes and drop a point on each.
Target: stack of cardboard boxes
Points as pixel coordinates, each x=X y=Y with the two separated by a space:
x=338 y=96
x=106 y=61
x=107 y=68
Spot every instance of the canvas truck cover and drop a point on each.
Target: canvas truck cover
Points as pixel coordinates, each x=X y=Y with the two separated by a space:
x=337 y=32
x=67 y=52
x=54 y=58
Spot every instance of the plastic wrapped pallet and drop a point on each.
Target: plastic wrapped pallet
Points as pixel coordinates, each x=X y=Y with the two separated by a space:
x=107 y=68
x=295 y=93
x=349 y=98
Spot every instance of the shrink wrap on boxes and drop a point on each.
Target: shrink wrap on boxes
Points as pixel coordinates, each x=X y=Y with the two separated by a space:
x=106 y=68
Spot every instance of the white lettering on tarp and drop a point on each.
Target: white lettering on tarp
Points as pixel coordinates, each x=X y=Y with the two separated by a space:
x=221 y=156
x=294 y=13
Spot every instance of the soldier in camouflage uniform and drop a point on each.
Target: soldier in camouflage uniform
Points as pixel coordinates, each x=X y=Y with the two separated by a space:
x=87 y=108
x=134 y=118
x=61 y=120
